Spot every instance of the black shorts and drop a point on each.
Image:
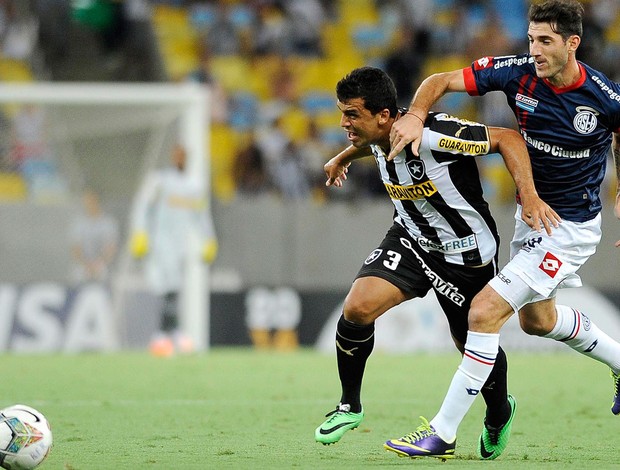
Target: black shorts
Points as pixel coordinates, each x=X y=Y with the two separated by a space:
x=400 y=261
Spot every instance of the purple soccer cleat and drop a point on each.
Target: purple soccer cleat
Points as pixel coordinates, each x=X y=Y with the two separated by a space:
x=423 y=442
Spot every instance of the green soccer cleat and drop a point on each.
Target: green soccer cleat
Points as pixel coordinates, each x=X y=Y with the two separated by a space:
x=615 y=404
x=337 y=423
x=493 y=441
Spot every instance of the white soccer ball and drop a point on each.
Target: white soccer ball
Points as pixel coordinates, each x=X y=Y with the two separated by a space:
x=25 y=437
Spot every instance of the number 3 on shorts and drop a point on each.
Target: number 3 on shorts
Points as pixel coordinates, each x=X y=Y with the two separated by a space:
x=393 y=260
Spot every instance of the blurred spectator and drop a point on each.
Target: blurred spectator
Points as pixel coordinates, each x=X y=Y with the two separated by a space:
x=217 y=101
x=283 y=93
x=314 y=152
x=284 y=165
x=250 y=170
x=492 y=34
x=307 y=18
x=221 y=35
x=137 y=39
x=6 y=161
x=598 y=16
x=18 y=31
x=94 y=237
x=32 y=155
x=491 y=107
x=404 y=64
x=290 y=176
x=53 y=30
x=417 y=14
x=30 y=135
x=273 y=30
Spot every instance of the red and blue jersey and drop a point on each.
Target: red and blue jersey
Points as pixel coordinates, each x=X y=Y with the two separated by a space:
x=568 y=130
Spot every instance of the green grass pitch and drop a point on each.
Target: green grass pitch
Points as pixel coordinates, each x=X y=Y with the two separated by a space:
x=242 y=409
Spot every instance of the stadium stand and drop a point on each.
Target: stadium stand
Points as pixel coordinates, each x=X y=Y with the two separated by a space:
x=245 y=47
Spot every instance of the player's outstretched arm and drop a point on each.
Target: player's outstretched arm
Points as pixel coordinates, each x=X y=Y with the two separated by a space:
x=336 y=169
x=511 y=146
x=408 y=129
x=616 y=154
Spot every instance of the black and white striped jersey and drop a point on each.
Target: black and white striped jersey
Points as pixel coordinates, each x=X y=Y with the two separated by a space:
x=438 y=196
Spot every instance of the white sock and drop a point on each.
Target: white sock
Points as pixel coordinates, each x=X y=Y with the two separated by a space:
x=576 y=330
x=478 y=361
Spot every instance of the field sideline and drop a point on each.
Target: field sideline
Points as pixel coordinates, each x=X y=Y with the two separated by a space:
x=237 y=408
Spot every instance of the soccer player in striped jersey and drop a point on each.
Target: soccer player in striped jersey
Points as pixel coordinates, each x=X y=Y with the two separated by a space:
x=443 y=237
x=569 y=116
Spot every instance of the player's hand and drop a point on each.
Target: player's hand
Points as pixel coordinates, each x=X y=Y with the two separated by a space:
x=407 y=129
x=209 y=250
x=535 y=211
x=139 y=245
x=336 y=172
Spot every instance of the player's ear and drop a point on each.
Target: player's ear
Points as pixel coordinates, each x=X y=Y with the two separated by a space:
x=384 y=116
x=573 y=43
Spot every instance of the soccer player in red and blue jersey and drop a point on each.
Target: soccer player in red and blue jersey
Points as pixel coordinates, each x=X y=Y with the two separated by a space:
x=569 y=116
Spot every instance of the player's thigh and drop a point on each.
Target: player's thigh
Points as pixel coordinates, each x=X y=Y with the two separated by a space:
x=369 y=298
x=464 y=284
x=389 y=276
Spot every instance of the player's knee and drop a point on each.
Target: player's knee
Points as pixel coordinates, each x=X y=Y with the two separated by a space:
x=479 y=316
x=361 y=311
x=488 y=312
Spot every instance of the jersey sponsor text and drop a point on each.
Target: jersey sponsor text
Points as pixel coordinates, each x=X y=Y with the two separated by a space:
x=612 y=94
x=411 y=193
x=555 y=150
x=463 y=146
x=442 y=287
x=452 y=246
x=510 y=61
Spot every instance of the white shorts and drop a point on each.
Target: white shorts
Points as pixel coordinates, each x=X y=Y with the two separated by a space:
x=540 y=264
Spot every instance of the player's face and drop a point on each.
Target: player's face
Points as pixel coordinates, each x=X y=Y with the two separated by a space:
x=363 y=128
x=550 y=51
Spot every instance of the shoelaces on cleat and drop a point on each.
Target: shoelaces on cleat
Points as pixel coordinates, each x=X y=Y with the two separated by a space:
x=334 y=413
x=493 y=433
x=424 y=430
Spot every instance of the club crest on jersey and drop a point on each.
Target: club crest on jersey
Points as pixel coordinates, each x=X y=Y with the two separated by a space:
x=416 y=169
x=550 y=265
x=373 y=256
x=526 y=103
x=585 y=120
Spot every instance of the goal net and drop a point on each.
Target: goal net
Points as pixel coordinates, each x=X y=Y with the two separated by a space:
x=58 y=140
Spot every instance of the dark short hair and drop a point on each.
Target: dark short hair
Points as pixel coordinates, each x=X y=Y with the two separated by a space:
x=371 y=84
x=564 y=16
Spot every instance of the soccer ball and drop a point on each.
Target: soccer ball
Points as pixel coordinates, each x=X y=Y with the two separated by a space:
x=25 y=437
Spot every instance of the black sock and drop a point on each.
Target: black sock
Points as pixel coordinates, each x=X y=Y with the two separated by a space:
x=169 y=319
x=495 y=392
x=354 y=343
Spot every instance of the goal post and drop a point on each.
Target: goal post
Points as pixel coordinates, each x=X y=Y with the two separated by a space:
x=109 y=136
